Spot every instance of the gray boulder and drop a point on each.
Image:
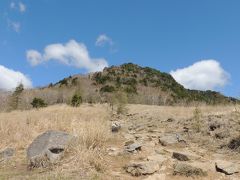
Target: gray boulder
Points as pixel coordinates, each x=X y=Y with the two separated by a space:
x=171 y=140
x=188 y=170
x=142 y=168
x=133 y=147
x=226 y=167
x=6 y=154
x=48 y=148
x=180 y=156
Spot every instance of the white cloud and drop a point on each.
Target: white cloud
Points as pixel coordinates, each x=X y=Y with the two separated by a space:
x=18 y=6
x=16 y=26
x=12 y=5
x=22 y=7
x=10 y=79
x=34 y=57
x=72 y=54
x=202 y=75
x=102 y=40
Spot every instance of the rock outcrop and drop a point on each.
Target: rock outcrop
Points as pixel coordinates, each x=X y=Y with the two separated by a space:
x=48 y=148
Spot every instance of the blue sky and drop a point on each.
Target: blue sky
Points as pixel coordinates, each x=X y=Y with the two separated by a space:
x=163 y=34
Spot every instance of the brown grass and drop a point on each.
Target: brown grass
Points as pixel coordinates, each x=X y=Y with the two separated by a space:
x=90 y=124
x=86 y=158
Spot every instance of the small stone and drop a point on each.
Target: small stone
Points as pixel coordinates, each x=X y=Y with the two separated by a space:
x=113 y=151
x=170 y=120
x=180 y=157
x=116 y=126
x=142 y=168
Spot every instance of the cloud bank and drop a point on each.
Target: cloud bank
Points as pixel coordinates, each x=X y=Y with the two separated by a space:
x=202 y=75
x=10 y=79
x=72 y=53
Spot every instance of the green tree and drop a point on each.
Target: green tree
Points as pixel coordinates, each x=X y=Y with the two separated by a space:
x=16 y=96
x=38 y=103
x=76 y=100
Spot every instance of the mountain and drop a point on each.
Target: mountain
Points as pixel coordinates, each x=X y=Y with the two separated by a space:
x=142 y=85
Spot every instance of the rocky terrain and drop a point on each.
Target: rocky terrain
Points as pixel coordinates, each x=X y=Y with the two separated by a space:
x=145 y=142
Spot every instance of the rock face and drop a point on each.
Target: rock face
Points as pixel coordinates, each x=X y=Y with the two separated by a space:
x=180 y=156
x=116 y=126
x=48 y=148
x=187 y=170
x=225 y=167
x=6 y=154
x=171 y=139
x=142 y=168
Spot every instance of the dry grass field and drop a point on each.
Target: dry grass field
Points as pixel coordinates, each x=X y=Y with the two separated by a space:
x=91 y=124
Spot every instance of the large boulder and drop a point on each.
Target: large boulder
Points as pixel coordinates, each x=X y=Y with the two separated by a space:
x=142 y=168
x=48 y=148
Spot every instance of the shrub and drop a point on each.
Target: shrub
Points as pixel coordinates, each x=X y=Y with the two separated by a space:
x=101 y=79
x=76 y=100
x=107 y=88
x=38 y=103
x=131 y=89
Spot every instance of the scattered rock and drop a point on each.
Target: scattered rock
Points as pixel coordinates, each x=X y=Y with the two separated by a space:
x=234 y=144
x=225 y=167
x=222 y=134
x=142 y=168
x=48 y=148
x=113 y=151
x=116 y=126
x=133 y=147
x=185 y=129
x=180 y=157
x=187 y=170
x=127 y=143
x=171 y=139
x=160 y=159
x=170 y=120
x=214 y=126
x=6 y=154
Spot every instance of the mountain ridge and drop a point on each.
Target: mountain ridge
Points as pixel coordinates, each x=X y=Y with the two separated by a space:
x=137 y=81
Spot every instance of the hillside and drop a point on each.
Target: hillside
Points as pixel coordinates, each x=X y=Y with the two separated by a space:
x=142 y=85
x=154 y=142
x=139 y=85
